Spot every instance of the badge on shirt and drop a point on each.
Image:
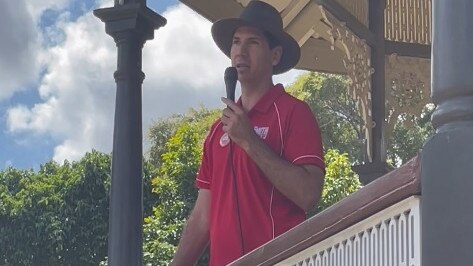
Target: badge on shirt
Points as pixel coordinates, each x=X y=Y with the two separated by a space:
x=224 y=140
x=262 y=132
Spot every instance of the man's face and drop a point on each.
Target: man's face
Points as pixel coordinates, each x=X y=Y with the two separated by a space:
x=251 y=55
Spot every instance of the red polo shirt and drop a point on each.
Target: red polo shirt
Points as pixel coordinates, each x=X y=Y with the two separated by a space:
x=288 y=126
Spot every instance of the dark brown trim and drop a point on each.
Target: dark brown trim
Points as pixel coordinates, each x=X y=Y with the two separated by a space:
x=220 y=9
x=408 y=49
x=376 y=18
x=351 y=21
x=385 y=191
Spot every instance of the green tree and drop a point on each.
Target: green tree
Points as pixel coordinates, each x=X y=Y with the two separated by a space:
x=408 y=137
x=159 y=134
x=31 y=228
x=336 y=112
x=84 y=210
x=174 y=184
x=340 y=180
x=12 y=225
x=341 y=124
x=59 y=215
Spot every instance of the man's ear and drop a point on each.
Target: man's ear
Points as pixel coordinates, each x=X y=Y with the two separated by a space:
x=276 y=55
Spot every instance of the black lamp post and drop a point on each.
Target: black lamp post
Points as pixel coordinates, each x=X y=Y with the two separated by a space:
x=130 y=23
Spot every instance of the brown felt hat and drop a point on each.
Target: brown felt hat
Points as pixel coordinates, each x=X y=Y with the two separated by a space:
x=265 y=17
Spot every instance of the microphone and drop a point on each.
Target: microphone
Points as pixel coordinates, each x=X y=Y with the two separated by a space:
x=230 y=77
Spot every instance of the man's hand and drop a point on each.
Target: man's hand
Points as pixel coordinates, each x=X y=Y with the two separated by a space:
x=237 y=125
x=302 y=184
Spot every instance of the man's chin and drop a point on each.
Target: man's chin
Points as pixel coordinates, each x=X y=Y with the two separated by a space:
x=243 y=70
x=243 y=73
x=245 y=77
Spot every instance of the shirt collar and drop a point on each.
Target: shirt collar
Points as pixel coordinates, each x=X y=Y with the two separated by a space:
x=268 y=99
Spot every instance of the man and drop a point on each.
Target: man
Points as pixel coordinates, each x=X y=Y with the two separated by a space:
x=262 y=166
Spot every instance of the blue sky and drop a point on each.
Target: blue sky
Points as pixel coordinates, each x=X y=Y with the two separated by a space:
x=56 y=77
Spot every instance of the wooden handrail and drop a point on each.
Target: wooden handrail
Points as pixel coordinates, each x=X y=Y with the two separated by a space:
x=385 y=191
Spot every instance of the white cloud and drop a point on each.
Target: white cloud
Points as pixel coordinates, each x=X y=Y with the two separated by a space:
x=183 y=68
x=77 y=92
x=19 y=48
x=37 y=7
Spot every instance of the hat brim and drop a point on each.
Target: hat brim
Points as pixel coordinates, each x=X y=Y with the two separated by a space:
x=223 y=30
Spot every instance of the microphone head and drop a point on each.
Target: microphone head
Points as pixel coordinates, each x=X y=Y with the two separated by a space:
x=230 y=76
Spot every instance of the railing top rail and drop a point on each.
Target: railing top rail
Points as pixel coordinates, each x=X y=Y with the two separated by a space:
x=387 y=190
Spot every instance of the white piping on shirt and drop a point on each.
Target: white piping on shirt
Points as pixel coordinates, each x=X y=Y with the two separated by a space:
x=280 y=154
x=200 y=180
x=308 y=156
x=270 y=209
x=215 y=130
x=280 y=129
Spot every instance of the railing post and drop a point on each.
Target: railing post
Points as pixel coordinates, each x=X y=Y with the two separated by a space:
x=130 y=23
x=447 y=168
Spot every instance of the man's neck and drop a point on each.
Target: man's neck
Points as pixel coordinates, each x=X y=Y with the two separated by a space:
x=251 y=93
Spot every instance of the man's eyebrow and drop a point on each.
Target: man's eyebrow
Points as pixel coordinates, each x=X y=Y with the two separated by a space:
x=255 y=38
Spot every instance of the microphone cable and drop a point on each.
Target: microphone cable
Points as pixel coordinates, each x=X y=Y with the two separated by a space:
x=231 y=77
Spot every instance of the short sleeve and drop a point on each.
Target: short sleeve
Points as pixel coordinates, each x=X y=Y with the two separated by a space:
x=303 y=141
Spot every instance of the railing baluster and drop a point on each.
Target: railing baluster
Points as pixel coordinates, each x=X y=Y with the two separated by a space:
x=318 y=260
x=388 y=238
x=402 y=240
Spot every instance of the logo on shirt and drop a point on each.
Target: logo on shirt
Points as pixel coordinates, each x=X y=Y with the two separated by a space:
x=224 y=140
x=262 y=132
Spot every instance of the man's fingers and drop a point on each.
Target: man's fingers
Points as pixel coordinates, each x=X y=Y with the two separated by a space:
x=227 y=101
x=226 y=116
x=232 y=105
x=227 y=112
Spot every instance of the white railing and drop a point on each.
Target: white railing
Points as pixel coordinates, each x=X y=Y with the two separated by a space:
x=390 y=237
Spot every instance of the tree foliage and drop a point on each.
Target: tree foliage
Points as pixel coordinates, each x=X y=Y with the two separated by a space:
x=58 y=215
x=159 y=134
x=336 y=112
x=408 y=138
x=178 y=164
x=340 y=180
x=341 y=124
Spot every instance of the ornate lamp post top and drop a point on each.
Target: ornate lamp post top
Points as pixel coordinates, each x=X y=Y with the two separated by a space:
x=130 y=14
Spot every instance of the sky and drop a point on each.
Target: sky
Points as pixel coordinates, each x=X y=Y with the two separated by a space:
x=57 y=92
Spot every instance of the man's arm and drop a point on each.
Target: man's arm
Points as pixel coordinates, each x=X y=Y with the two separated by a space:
x=195 y=236
x=300 y=183
x=305 y=182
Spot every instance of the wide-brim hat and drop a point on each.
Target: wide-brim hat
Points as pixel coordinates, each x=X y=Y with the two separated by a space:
x=265 y=17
